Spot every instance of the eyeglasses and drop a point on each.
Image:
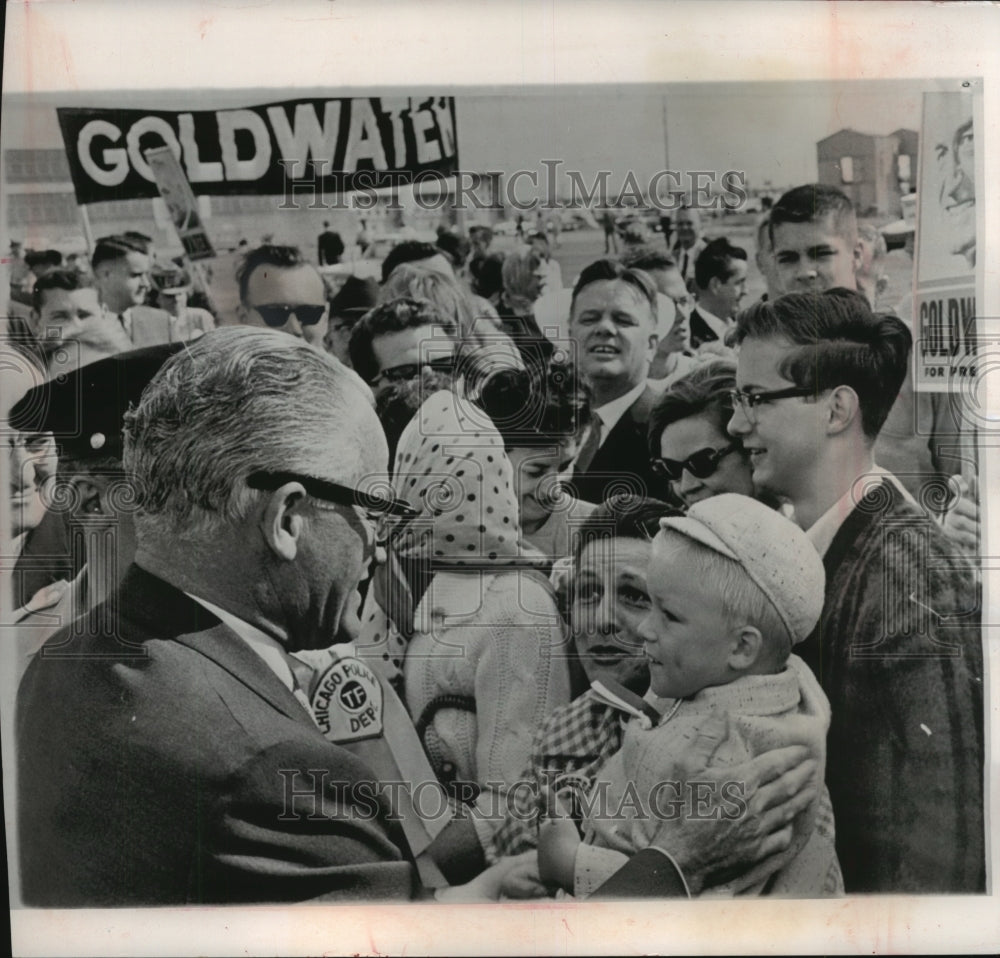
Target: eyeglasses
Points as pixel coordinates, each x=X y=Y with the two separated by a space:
x=379 y=510
x=276 y=315
x=396 y=374
x=700 y=464
x=747 y=402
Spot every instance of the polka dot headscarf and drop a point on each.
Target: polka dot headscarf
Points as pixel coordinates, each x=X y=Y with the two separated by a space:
x=452 y=467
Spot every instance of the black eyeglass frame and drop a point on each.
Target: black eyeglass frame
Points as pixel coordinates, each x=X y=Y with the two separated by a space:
x=746 y=402
x=333 y=492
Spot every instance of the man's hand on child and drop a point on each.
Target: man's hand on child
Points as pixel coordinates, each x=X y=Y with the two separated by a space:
x=711 y=843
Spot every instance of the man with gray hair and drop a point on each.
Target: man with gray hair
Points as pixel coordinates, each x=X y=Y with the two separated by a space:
x=164 y=755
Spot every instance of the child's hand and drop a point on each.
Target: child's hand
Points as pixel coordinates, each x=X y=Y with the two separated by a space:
x=521 y=879
x=558 y=840
x=504 y=879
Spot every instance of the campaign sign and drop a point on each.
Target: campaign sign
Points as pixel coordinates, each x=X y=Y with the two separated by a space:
x=347 y=702
x=333 y=145
x=944 y=353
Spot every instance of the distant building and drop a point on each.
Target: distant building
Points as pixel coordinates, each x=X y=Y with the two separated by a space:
x=874 y=171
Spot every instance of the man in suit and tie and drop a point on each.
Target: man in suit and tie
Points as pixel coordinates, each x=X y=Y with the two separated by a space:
x=613 y=321
x=163 y=754
x=688 y=244
x=720 y=276
x=121 y=274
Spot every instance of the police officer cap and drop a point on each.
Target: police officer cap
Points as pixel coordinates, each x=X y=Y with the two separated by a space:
x=84 y=409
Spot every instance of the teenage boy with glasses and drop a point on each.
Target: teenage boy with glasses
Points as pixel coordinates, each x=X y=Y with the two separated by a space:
x=898 y=649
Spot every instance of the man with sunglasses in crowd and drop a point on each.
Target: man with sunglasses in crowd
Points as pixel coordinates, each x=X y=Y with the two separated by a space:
x=898 y=649
x=280 y=289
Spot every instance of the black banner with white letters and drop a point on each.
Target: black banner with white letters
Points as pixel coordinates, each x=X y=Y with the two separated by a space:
x=331 y=145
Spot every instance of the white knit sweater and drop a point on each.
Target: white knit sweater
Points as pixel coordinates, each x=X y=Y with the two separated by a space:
x=497 y=637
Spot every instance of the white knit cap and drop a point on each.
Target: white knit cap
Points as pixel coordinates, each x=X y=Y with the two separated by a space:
x=775 y=552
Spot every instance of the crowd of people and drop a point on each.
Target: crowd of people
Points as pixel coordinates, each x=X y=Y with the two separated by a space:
x=468 y=585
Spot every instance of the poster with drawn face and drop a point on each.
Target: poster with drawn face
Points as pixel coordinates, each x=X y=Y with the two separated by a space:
x=947 y=223
x=945 y=310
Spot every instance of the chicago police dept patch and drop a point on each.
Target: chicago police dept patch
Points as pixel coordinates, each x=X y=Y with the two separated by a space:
x=347 y=701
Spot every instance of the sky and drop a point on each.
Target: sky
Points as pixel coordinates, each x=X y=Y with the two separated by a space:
x=769 y=131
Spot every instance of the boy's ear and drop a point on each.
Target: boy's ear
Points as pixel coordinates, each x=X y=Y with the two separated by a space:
x=859 y=255
x=844 y=407
x=746 y=648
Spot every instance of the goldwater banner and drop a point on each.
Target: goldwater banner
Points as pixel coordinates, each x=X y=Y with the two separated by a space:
x=947 y=228
x=331 y=145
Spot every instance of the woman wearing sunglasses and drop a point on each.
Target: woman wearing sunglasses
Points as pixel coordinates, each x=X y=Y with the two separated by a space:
x=689 y=445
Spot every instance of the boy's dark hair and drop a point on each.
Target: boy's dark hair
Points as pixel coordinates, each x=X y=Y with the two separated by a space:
x=813 y=202
x=269 y=254
x=67 y=279
x=532 y=407
x=705 y=391
x=610 y=269
x=714 y=261
x=622 y=517
x=391 y=317
x=841 y=343
x=647 y=258
x=409 y=251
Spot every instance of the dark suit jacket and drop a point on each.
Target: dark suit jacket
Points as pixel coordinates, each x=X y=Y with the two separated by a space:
x=622 y=462
x=701 y=332
x=162 y=762
x=899 y=652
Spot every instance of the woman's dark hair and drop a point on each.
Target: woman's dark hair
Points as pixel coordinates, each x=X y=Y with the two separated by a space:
x=703 y=391
x=622 y=517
